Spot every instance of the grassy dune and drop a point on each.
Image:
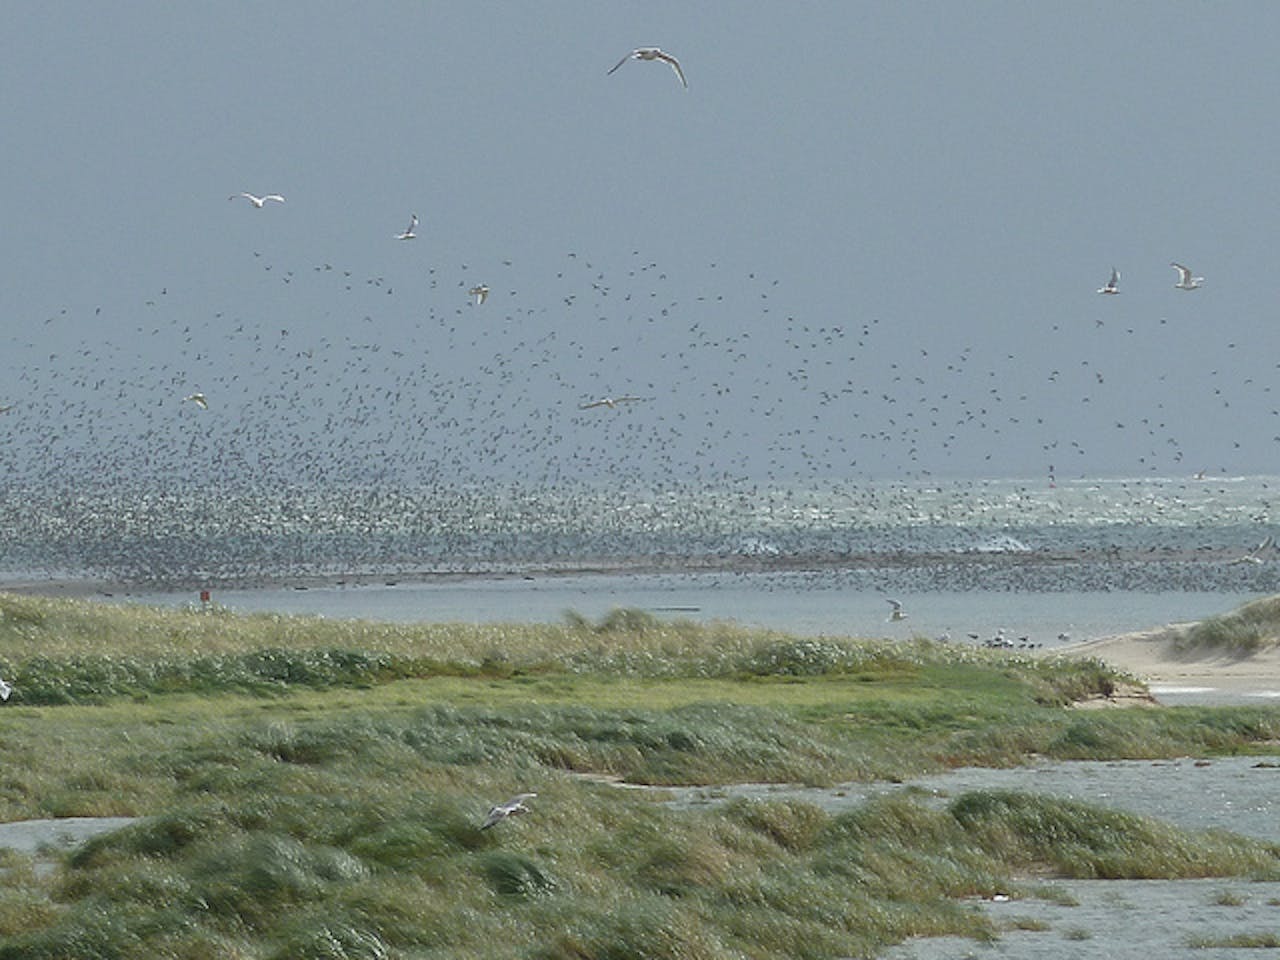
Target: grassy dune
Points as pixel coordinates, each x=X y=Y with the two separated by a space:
x=1246 y=630
x=313 y=788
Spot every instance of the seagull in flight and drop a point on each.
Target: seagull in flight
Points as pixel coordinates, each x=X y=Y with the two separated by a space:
x=610 y=402
x=409 y=234
x=653 y=53
x=480 y=292
x=512 y=807
x=896 y=613
x=1185 y=280
x=198 y=399
x=1113 y=285
x=258 y=202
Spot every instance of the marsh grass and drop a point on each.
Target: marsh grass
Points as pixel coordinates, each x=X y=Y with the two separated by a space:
x=314 y=789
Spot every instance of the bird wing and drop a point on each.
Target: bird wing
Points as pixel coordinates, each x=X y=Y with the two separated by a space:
x=675 y=65
x=274 y=196
x=593 y=403
x=621 y=62
x=1183 y=273
x=1115 y=277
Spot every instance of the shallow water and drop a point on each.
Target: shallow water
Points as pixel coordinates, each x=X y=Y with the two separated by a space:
x=1122 y=919
x=795 y=603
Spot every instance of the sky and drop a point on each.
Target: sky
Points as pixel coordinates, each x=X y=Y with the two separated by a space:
x=864 y=243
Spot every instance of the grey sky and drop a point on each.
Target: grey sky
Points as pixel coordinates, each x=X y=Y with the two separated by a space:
x=875 y=230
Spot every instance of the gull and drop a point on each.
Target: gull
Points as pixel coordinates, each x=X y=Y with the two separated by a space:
x=503 y=810
x=6 y=408
x=610 y=402
x=409 y=234
x=1259 y=553
x=1113 y=285
x=896 y=613
x=480 y=292
x=653 y=53
x=5 y=690
x=1185 y=280
x=258 y=202
x=198 y=399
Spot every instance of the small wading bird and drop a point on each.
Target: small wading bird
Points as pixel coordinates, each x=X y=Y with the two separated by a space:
x=511 y=808
x=1113 y=285
x=409 y=234
x=198 y=399
x=653 y=53
x=1185 y=280
x=258 y=202
x=610 y=402
x=480 y=292
x=896 y=613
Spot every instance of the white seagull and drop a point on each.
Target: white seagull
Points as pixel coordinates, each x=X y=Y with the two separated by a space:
x=5 y=690
x=198 y=399
x=1113 y=285
x=409 y=234
x=610 y=402
x=258 y=202
x=512 y=807
x=653 y=53
x=1185 y=280
x=480 y=292
x=897 y=613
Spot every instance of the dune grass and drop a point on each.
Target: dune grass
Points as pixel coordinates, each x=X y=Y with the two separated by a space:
x=313 y=788
x=1253 y=627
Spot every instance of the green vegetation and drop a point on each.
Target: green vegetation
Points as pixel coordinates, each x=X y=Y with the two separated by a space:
x=314 y=788
x=1240 y=633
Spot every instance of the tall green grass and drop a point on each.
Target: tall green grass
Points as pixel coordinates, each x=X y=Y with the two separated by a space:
x=314 y=788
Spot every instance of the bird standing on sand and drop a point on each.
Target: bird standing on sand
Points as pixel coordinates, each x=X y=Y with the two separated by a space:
x=1113 y=285
x=258 y=202
x=1185 y=280
x=653 y=53
x=511 y=808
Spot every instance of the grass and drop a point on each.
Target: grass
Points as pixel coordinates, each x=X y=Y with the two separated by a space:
x=1247 y=630
x=313 y=788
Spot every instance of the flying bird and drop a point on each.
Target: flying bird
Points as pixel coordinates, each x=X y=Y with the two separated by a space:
x=480 y=292
x=409 y=234
x=512 y=807
x=198 y=399
x=258 y=202
x=653 y=53
x=610 y=402
x=1113 y=285
x=1185 y=280
x=897 y=612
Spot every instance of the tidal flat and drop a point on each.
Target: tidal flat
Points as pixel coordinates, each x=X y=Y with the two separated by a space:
x=306 y=787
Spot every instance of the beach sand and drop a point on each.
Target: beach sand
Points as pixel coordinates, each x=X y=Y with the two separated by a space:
x=1150 y=656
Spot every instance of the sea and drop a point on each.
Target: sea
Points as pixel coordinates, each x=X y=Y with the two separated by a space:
x=1034 y=563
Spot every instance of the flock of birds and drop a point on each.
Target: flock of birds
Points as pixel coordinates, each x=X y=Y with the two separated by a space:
x=601 y=370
